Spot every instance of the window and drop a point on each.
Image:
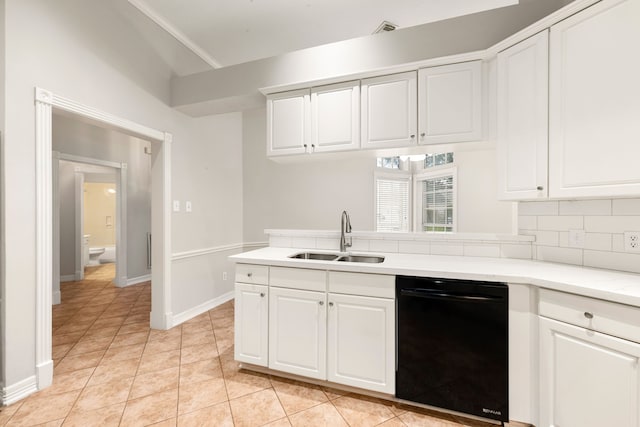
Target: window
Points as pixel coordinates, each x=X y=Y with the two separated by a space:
x=431 y=180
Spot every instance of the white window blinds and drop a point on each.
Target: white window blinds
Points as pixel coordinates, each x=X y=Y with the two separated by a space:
x=392 y=202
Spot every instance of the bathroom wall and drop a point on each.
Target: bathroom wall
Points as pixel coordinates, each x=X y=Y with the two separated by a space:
x=66 y=192
x=100 y=213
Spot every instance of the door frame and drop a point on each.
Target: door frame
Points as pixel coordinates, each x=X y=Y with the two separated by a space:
x=161 y=317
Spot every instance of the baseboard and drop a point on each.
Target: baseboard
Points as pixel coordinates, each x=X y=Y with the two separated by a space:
x=79 y=275
x=165 y=322
x=56 y=298
x=136 y=280
x=19 y=390
x=44 y=374
x=199 y=309
x=68 y=278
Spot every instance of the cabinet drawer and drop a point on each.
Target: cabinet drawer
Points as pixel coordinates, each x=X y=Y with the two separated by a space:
x=371 y=285
x=253 y=274
x=611 y=318
x=298 y=278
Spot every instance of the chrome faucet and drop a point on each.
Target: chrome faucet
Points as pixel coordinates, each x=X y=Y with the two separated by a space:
x=345 y=227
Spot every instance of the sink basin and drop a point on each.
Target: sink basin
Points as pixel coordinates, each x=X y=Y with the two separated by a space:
x=313 y=255
x=362 y=258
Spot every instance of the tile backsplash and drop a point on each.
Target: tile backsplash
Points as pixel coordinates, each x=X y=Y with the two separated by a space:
x=604 y=223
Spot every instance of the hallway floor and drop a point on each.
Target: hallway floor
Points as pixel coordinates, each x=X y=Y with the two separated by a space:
x=111 y=369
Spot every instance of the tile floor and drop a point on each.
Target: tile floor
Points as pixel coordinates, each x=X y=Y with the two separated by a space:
x=111 y=369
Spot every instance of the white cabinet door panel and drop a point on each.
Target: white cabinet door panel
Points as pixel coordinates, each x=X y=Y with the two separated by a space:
x=388 y=108
x=297 y=332
x=288 y=122
x=251 y=323
x=594 y=143
x=450 y=103
x=587 y=379
x=335 y=117
x=361 y=342
x=523 y=119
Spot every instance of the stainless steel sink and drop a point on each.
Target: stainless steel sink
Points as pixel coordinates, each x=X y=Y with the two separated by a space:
x=314 y=255
x=372 y=259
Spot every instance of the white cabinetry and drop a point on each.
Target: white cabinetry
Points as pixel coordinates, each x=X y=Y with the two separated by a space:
x=450 y=103
x=589 y=362
x=288 y=122
x=251 y=314
x=361 y=331
x=389 y=110
x=522 y=119
x=594 y=102
x=335 y=117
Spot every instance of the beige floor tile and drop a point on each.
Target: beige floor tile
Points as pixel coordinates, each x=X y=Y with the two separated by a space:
x=134 y=327
x=393 y=422
x=468 y=422
x=324 y=415
x=109 y=331
x=257 y=409
x=417 y=419
x=198 y=338
x=54 y=423
x=106 y=416
x=200 y=371
x=80 y=361
x=154 y=382
x=133 y=351
x=104 y=394
x=60 y=339
x=151 y=409
x=361 y=411
x=282 y=422
x=90 y=345
x=245 y=382
x=129 y=339
x=218 y=415
x=194 y=396
x=159 y=361
x=161 y=345
x=114 y=369
x=197 y=353
x=333 y=393
x=43 y=409
x=159 y=335
x=171 y=422
x=6 y=412
x=69 y=381
x=296 y=396
x=60 y=351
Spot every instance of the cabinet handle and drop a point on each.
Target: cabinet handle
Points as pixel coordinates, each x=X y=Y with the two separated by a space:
x=330 y=304
x=262 y=294
x=249 y=274
x=422 y=134
x=321 y=302
x=539 y=188
x=588 y=315
x=413 y=136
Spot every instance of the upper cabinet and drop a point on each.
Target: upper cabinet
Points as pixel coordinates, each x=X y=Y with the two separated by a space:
x=389 y=110
x=335 y=117
x=288 y=123
x=522 y=104
x=450 y=103
x=594 y=138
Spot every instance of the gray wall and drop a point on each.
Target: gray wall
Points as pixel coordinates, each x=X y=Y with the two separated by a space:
x=81 y=139
x=66 y=192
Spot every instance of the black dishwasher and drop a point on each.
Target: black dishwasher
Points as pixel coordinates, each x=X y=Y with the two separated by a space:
x=452 y=345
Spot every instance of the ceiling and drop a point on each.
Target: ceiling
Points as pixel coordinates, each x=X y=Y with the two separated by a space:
x=219 y=33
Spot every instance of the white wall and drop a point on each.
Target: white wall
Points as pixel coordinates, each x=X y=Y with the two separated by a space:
x=311 y=194
x=67 y=190
x=83 y=50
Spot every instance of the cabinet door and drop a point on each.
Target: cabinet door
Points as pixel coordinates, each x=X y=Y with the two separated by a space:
x=298 y=332
x=335 y=117
x=587 y=379
x=288 y=122
x=594 y=102
x=389 y=111
x=450 y=103
x=522 y=119
x=251 y=323
x=361 y=342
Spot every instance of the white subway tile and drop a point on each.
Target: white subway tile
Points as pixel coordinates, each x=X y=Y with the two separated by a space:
x=617 y=244
x=538 y=208
x=585 y=207
x=303 y=242
x=562 y=255
x=414 y=247
x=626 y=207
x=526 y=222
x=280 y=242
x=612 y=260
x=560 y=223
x=328 y=244
x=545 y=238
x=563 y=239
x=444 y=248
x=598 y=241
x=486 y=250
x=383 y=246
x=358 y=244
x=515 y=251
x=611 y=224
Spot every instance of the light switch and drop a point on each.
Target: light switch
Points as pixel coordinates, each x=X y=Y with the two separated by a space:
x=176 y=205
x=576 y=238
x=187 y=206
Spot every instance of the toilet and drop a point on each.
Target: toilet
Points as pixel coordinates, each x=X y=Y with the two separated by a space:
x=94 y=254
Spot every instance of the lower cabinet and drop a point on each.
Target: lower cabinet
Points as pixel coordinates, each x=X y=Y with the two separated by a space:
x=298 y=332
x=251 y=317
x=361 y=342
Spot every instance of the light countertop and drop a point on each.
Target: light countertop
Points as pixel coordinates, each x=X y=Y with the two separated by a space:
x=604 y=284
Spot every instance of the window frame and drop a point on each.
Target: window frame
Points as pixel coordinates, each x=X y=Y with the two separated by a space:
x=396 y=175
x=448 y=169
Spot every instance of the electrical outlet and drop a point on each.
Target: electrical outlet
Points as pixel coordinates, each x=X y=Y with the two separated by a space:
x=176 y=205
x=224 y=275
x=632 y=241
x=576 y=238
x=187 y=206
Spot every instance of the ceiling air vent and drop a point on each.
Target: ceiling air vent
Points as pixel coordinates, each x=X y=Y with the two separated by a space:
x=385 y=26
